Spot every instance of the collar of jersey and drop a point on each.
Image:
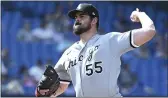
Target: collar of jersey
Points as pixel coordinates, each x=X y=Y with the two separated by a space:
x=92 y=39
x=80 y=46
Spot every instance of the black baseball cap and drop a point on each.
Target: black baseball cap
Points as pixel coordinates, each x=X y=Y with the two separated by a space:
x=85 y=8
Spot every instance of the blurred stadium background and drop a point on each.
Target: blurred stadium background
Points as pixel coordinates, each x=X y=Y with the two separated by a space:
x=34 y=34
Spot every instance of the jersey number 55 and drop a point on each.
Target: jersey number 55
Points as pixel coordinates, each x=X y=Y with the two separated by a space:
x=98 y=68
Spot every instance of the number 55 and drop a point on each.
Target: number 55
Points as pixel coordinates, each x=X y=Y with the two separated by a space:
x=98 y=68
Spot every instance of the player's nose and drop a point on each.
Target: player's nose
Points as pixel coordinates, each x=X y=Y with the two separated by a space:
x=77 y=19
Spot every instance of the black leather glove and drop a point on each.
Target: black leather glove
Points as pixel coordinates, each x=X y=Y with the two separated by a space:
x=48 y=84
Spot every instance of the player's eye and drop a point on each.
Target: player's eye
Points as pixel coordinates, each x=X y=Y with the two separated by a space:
x=81 y=16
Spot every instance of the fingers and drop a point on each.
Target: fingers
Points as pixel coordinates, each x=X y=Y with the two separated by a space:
x=43 y=91
x=137 y=9
x=134 y=15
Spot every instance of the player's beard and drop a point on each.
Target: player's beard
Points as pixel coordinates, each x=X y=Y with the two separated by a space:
x=79 y=29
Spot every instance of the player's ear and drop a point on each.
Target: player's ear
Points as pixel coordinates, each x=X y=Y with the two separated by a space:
x=94 y=20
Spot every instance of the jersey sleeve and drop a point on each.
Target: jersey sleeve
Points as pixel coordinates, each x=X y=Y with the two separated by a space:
x=60 y=69
x=122 y=41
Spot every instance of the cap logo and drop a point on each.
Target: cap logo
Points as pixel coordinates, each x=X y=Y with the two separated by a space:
x=51 y=71
x=93 y=13
x=79 y=7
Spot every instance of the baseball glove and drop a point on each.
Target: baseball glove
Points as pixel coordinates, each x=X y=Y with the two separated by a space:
x=48 y=84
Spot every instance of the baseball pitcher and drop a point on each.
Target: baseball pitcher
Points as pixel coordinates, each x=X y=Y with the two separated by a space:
x=93 y=63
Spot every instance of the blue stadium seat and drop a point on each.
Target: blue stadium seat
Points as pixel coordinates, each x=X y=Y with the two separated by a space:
x=129 y=10
x=3 y=41
x=29 y=90
x=6 y=20
x=133 y=62
x=43 y=52
x=37 y=50
x=25 y=54
x=159 y=22
x=29 y=54
x=150 y=11
x=110 y=13
x=34 y=53
x=16 y=23
x=160 y=74
x=13 y=73
x=40 y=8
x=46 y=52
x=142 y=71
x=35 y=22
x=31 y=5
x=24 y=58
x=55 y=54
x=18 y=52
x=50 y=7
x=70 y=35
x=19 y=4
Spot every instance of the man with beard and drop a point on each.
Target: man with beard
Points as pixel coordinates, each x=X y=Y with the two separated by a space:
x=93 y=63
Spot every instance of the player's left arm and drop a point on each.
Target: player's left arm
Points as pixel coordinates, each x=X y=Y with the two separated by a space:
x=144 y=34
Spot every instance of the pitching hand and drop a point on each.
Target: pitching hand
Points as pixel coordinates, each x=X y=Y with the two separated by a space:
x=134 y=15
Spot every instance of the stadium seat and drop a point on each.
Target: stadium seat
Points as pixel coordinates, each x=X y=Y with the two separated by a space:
x=50 y=7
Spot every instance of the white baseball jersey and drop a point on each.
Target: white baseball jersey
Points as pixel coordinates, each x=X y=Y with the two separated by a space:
x=94 y=66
